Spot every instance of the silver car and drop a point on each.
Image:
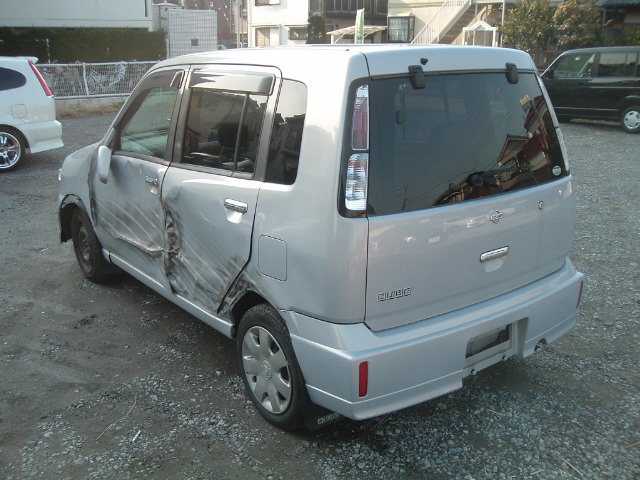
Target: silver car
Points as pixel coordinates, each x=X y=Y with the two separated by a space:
x=371 y=224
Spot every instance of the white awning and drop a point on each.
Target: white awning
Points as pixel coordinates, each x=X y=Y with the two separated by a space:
x=341 y=32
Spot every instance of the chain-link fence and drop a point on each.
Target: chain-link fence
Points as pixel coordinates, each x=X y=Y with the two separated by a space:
x=75 y=80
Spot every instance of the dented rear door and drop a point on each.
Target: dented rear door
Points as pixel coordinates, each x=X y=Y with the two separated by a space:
x=210 y=193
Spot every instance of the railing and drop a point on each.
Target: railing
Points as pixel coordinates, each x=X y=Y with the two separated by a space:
x=78 y=80
x=442 y=21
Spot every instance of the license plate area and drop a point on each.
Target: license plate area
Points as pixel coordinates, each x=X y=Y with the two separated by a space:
x=488 y=344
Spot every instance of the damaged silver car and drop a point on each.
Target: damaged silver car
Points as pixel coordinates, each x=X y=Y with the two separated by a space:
x=371 y=224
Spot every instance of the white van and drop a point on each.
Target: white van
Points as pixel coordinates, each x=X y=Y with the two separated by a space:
x=371 y=224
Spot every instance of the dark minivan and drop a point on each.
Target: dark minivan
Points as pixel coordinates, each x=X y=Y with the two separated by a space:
x=599 y=83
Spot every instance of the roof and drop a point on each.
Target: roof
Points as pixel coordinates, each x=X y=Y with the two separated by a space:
x=618 y=3
x=380 y=59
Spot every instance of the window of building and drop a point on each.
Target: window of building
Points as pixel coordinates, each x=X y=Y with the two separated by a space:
x=263 y=37
x=298 y=33
x=401 y=29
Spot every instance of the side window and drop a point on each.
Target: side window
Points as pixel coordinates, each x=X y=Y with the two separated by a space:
x=223 y=129
x=286 y=135
x=10 y=79
x=618 y=64
x=575 y=66
x=147 y=130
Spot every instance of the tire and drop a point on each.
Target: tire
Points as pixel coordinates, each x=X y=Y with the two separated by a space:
x=269 y=368
x=88 y=249
x=12 y=148
x=630 y=119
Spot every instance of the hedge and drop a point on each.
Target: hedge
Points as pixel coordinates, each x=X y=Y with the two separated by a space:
x=83 y=44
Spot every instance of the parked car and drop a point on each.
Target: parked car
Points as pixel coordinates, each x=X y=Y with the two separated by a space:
x=27 y=112
x=598 y=83
x=371 y=224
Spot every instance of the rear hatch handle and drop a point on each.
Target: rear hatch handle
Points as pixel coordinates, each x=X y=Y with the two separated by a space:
x=494 y=254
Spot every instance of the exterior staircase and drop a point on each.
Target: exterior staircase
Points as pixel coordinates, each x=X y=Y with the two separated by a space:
x=446 y=20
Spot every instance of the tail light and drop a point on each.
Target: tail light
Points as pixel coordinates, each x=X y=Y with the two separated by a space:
x=356 y=186
x=357 y=177
x=45 y=87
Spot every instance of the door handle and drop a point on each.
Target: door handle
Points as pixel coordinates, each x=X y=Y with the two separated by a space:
x=236 y=206
x=493 y=254
x=151 y=180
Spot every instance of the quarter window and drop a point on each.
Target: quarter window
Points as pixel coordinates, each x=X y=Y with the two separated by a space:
x=10 y=79
x=286 y=135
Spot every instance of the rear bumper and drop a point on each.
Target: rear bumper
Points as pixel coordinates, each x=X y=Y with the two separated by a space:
x=42 y=136
x=417 y=362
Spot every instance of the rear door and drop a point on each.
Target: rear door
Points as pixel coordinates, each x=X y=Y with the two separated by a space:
x=468 y=194
x=616 y=79
x=210 y=195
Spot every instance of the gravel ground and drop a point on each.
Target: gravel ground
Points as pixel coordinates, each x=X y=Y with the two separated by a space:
x=113 y=381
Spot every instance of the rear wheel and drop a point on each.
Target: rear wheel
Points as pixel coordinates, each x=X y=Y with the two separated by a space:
x=88 y=249
x=12 y=149
x=630 y=119
x=269 y=368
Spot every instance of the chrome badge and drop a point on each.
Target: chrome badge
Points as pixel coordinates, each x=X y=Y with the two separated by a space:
x=403 y=292
x=495 y=216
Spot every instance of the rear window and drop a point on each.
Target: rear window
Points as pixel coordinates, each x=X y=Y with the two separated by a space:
x=462 y=137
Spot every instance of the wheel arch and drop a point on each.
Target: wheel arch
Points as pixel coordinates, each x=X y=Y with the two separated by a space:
x=244 y=302
x=627 y=102
x=70 y=204
x=16 y=131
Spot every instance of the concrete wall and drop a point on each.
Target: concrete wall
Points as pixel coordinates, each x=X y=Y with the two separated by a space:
x=77 y=13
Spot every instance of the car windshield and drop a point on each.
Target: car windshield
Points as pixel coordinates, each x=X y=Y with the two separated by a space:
x=462 y=137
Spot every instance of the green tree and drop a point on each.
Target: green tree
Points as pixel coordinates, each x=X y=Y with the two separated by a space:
x=530 y=26
x=316 y=29
x=578 y=24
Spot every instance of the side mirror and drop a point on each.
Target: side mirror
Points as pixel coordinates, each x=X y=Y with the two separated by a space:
x=548 y=73
x=104 y=163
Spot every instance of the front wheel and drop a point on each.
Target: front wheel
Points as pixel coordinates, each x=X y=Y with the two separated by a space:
x=12 y=149
x=630 y=119
x=88 y=249
x=269 y=367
